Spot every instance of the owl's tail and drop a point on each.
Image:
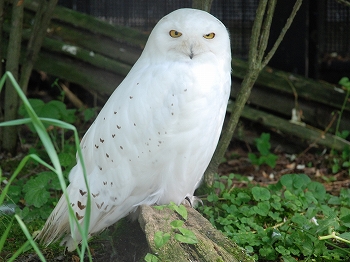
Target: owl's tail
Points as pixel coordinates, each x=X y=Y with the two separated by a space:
x=57 y=225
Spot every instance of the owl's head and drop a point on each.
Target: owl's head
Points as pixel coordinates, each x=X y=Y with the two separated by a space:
x=188 y=35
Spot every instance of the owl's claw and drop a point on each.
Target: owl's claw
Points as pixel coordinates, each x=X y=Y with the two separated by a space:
x=192 y=201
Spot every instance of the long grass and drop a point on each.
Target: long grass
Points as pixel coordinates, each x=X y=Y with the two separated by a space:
x=53 y=166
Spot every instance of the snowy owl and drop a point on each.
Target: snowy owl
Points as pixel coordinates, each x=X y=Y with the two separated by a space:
x=155 y=136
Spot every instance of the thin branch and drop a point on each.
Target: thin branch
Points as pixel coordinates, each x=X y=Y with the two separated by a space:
x=256 y=63
x=265 y=33
x=282 y=34
x=256 y=30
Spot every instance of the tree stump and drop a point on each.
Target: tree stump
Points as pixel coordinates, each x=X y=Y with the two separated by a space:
x=212 y=244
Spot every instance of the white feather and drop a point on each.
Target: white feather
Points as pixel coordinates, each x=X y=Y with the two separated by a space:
x=155 y=136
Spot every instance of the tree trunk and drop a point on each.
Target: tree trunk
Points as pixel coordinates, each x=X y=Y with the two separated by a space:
x=257 y=61
x=212 y=244
x=9 y=139
x=39 y=30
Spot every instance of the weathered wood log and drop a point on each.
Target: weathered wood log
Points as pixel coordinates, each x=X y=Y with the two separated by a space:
x=212 y=244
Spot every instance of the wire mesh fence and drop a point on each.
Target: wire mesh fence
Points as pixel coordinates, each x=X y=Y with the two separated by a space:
x=238 y=16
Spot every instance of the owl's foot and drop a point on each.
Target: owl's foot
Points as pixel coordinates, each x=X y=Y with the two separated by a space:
x=192 y=201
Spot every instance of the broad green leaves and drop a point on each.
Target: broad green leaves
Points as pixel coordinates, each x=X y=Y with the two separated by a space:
x=283 y=221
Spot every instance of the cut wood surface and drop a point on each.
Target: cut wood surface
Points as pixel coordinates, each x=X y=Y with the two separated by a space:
x=212 y=244
x=84 y=50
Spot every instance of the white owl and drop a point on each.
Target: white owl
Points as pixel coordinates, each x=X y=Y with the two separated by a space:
x=155 y=136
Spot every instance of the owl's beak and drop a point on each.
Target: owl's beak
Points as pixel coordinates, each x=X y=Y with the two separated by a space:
x=191 y=54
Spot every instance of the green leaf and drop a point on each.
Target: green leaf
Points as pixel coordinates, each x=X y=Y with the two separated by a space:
x=36 y=191
x=37 y=105
x=271 y=159
x=187 y=236
x=318 y=190
x=89 y=113
x=345 y=235
x=151 y=258
x=262 y=208
x=263 y=143
x=212 y=197
x=253 y=158
x=160 y=238
x=14 y=193
x=288 y=258
x=345 y=220
x=268 y=253
x=66 y=159
x=282 y=250
x=159 y=207
x=295 y=181
x=181 y=209
x=50 y=110
x=176 y=223
x=344 y=81
x=261 y=193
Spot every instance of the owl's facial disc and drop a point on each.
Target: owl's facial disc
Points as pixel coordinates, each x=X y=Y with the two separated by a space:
x=190 y=46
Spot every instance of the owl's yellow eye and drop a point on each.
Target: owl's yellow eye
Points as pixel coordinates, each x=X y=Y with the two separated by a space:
x=209 y=36
x=174 y=33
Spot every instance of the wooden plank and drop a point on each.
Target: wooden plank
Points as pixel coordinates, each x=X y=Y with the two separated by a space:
x=308 y=133
x=313 y=113
x=310 y=90
x=95 y=26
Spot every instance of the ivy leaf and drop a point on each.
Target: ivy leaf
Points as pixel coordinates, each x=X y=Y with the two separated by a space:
x=181 y=210
x=160 y=238
x=151 y=258
x=176 y=223
x=159 y=207
x=187 y=236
